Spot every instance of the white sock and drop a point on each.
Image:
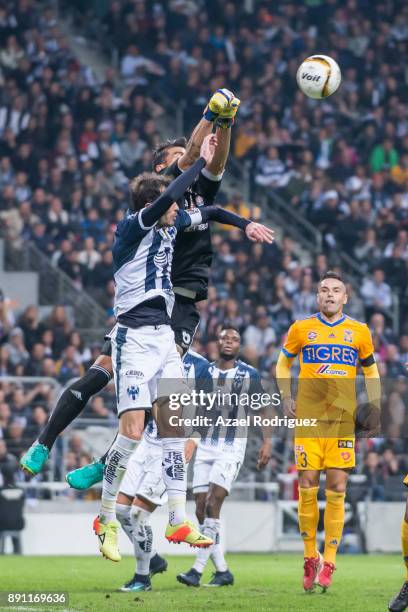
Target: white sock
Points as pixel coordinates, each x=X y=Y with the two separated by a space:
x=216 y=553
x=123 y=516
x=203 y=553
x=175 y=478
x=115 y=467
x=142 y=539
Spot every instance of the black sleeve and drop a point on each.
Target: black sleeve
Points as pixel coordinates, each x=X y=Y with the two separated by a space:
x=216 y=213
x=173 y=192
x=207 y=189
x=368 y=361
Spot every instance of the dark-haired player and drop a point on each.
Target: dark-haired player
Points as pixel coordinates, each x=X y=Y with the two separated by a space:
x=191 y=262
x=220 y=454
x=330 y=345
x=399 y=603
x=143 y=343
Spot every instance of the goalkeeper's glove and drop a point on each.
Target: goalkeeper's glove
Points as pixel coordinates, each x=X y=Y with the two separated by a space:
x=218 y=103
x=226 y=118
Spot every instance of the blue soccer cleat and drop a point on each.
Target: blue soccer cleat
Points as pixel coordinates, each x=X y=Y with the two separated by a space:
x=35 y=458
x=190 y=578
x=221 y=579
x=85 y=476
x=158 y=565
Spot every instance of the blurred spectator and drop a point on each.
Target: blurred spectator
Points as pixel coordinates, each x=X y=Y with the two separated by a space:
x=69 y=141
x=375 y=477
x=376 y=293
x=8 y=465
x=260 y=334
x=18 y=354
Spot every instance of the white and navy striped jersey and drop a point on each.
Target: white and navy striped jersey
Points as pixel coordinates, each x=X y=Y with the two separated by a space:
x=143 y=252
x=142 y=258
x=234 y=388
x=196 y=368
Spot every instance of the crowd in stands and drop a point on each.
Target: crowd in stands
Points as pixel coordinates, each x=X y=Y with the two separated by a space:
x=69 y=143
x=342 y=163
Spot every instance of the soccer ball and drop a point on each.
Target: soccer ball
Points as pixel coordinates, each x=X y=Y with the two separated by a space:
x=318 y=76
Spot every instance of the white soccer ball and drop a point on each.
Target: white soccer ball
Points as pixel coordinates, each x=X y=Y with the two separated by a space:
x=319 y=76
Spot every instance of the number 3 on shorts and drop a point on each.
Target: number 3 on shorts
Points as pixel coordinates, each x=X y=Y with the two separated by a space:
x=301 y=459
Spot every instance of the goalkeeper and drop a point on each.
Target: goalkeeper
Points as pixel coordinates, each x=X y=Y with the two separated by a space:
x=190 y=274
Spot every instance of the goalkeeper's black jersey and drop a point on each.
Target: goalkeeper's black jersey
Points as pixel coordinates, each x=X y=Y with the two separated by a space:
x=193 y=251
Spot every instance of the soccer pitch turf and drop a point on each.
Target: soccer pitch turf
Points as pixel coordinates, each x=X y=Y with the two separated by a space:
x=262 y=582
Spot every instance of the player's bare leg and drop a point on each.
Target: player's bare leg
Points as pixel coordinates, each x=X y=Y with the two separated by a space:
x=336 y=483
x=400 y=601
x=308 y=516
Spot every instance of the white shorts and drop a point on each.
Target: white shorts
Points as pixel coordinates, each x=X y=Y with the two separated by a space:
x=143 y=476
x=220 y=470
x=146 y=365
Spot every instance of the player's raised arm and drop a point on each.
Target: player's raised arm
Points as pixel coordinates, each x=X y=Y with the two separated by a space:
x=256 y=232
x=222 y=104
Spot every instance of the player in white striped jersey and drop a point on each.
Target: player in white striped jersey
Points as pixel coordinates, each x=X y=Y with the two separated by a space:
x=143 y=346
x=221 y=452
x=142 y=489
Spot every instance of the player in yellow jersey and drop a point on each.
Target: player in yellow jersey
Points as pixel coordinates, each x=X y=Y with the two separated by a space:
x=400 y=601
x=330 y=346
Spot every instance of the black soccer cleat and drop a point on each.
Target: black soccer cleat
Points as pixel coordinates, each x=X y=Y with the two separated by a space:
x=220 y=579
x=158 y=565
x=400 y=601
x=190 y=578
x=136 y=584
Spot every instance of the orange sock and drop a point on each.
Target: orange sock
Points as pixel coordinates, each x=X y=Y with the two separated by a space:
x=308 y=516
x=404 y=543
x=333 y=524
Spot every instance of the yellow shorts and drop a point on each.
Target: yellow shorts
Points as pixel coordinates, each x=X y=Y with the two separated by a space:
x=405 y=481
x=324 y=453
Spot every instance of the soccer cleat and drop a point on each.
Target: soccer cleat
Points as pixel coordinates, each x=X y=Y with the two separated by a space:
x=85 y=476
x=190 y=578
x=108 y=538
x=35 y=458
x=311 y=567
x=188 y=533
x=325 y=575
x=158 y=565
x=220 y=579
x=400 y=601
x=138 y=583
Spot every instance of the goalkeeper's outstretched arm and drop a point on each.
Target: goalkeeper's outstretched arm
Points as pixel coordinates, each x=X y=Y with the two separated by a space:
x=220 y=111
